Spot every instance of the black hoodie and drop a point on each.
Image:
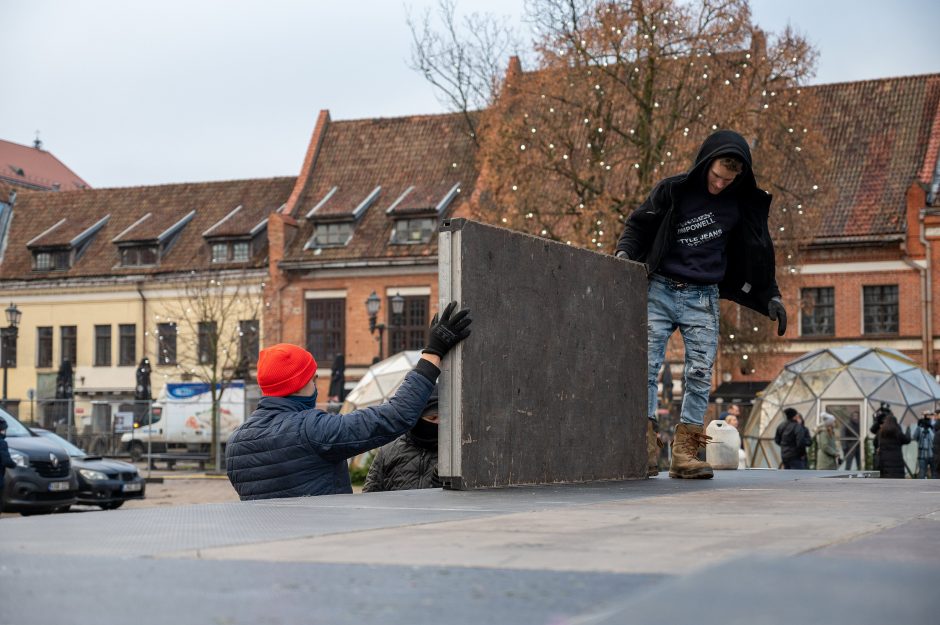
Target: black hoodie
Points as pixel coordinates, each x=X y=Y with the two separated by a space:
x=649 y=233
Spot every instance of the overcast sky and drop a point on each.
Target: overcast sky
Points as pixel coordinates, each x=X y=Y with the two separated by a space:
x=132 y=92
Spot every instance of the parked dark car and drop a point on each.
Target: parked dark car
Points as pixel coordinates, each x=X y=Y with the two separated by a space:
x=42 y=481
x=102 y=482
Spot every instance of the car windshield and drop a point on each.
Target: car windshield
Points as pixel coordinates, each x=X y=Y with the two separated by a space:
x=72 y=450
x=14 y=428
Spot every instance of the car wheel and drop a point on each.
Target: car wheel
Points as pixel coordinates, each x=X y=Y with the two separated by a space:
x=112 y=506
x=136 y=450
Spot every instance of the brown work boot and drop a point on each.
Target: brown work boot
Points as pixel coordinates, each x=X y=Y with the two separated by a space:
x=653 y=445
x=689 y=439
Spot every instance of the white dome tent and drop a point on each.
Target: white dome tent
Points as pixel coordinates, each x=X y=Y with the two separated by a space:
x=381 y=381
x=849 y=382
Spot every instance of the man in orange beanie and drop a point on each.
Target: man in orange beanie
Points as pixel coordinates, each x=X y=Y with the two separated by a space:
x=289 y=448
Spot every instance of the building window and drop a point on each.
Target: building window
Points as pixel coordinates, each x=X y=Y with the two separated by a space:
x=326 y=328
x=68 y=337
x=44 y=346
x=818 y=311
x=8 y=346
x=166 y=343
x=332 y=235
x=411 y=330
x=208 y=341
x=881 y=309
x=103 y=346
x=219 y=252
x=240 y=251
x=51 y=260
x=413 y=231
x=248 y=343
x=231 y=251
x=127 y=345
x=139 y=255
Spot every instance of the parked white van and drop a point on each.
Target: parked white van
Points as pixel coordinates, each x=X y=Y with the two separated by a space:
x=182 y=420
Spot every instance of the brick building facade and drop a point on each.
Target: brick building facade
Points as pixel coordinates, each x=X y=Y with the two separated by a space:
x=362 y=219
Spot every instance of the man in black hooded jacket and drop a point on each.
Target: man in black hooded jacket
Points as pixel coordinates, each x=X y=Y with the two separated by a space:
x=702 y=235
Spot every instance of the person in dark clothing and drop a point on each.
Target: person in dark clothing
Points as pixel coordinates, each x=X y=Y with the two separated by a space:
x=410 y=461
x=936 y=449
x=891 y=438
x=702 y=235
x=793 y=439
x=883 y=411
x=337 y=392
x=289 y=448
x=6 y=460
x=923 y=435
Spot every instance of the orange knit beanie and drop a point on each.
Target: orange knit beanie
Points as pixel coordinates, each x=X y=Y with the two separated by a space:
x=284 y=369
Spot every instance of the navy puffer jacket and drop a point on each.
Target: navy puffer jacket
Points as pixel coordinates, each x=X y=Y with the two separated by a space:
x=285 y=450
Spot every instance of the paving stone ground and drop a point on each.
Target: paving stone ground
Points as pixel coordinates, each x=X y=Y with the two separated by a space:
x=746 y=547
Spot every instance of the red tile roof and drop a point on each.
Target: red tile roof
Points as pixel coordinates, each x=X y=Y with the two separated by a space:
x=882 y=136
x=35 y=168
x=431 y=153
x=36 y=213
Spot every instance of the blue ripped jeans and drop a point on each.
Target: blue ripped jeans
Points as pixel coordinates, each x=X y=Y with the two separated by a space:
x=693 y=310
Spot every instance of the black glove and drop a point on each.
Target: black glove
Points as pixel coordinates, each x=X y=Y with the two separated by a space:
x=778 y=313
x=448 y=331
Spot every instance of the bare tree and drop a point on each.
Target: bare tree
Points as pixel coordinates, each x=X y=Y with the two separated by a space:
x=621 y=95
x=465 y=59
x=216 y=319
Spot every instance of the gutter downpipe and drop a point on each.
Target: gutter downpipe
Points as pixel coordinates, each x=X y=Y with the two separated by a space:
x=927 y=294
x=924 y=335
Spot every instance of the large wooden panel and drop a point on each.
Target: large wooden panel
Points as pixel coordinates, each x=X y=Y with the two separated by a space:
x=551 y=385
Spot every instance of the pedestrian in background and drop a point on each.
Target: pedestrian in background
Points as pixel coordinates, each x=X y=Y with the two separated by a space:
x=733 y=411
x=924 y=435
x=827 y=449
x=793 y=439
x=410 y=461
x=936 y=449
x=337 y=392
x=6 y=460
x=891 y=438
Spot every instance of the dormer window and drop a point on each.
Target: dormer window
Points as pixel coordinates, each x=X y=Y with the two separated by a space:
x=52 y=260
x=332 y=234
x=231 y=251
x=63 y=244
x=413 y=231
x=139 y=255
x=146 y=241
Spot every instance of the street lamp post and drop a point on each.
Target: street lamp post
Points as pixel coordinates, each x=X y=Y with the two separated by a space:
x=10 y=334
x=373 y=304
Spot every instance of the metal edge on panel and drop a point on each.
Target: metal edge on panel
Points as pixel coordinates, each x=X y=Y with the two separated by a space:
x=449 y=290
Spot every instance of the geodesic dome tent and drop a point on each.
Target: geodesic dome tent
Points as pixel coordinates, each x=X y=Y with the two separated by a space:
x=849 y=382
x=381 y=381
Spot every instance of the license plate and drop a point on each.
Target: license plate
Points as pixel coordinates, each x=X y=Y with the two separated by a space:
x=131 y=488
x=57 y=486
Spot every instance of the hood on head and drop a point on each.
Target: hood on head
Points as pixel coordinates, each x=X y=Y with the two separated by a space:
x=724 y=143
